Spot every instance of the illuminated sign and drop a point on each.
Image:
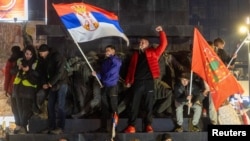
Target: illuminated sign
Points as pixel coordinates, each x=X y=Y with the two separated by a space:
x=13 y=10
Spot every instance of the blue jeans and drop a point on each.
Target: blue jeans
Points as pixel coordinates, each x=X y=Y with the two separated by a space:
x=57 y=97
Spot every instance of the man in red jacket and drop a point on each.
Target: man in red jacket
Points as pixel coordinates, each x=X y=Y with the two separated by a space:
x=142 y=71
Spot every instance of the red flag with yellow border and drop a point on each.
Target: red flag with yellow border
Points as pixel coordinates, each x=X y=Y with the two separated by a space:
x=210 y=68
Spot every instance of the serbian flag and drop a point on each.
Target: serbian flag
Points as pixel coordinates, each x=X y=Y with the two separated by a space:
x=86 y=22
x=210 y=68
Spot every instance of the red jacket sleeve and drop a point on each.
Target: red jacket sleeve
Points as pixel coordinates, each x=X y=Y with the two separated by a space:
x=7 y=75
x=163 y=44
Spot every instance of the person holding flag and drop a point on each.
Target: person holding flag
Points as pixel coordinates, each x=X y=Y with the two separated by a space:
x=219 y=49
x=85 y=22
x=214 y=72
x=183 y=98
x=109 y=76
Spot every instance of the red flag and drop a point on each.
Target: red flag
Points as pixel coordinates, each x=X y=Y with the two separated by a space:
x=210 y=68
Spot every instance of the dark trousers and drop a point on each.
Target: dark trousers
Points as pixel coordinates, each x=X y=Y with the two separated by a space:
x=143 y=89
x=15 y=111
x=109 y=103
x=57 y=97
x=24 y=107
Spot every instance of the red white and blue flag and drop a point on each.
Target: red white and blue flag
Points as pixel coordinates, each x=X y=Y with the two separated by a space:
x=87 y=22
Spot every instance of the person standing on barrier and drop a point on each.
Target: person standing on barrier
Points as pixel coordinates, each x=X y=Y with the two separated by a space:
x=54 y=80
x=142 y=71
x=11 y=70
x=109 y=76
x=25 y=86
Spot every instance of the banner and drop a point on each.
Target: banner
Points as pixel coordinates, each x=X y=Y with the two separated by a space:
x=13 y=10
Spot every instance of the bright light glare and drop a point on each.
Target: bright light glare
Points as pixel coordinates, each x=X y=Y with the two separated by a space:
x=243 y=29
x=248 y=20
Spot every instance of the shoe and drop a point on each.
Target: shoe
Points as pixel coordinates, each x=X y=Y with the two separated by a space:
x=22 y=131
x=195 y=129
x=179 y=129
x=16 y=129
x=149 y=129
x=130 y=129
x=56 y=131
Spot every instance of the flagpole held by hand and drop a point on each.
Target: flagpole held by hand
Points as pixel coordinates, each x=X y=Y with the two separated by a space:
x=190 y=92
x=92 y=70
x=237 y=50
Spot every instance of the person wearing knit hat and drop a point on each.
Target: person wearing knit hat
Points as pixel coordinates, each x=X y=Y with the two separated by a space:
x=54 y=79
x=43 y=48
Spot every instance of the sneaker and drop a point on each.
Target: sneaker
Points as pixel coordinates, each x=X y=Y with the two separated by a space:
x=130 y=129
x=149 y=129
x=56 y=131
x=179 y=129
x=195 y=129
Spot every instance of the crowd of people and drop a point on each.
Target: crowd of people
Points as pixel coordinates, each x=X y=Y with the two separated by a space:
x=149 y=83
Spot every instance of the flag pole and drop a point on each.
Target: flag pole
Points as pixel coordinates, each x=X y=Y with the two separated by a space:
x=84 y=56
x=237 y=50
x=190 y=91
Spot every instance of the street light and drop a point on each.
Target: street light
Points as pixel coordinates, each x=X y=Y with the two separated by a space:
x=248 y=49
x=245 y=29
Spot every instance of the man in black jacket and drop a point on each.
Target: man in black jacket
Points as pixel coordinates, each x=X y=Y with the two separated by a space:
x=193 y=100
x=54 y=80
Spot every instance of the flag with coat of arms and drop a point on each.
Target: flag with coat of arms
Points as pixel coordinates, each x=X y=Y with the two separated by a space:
x=86 y=22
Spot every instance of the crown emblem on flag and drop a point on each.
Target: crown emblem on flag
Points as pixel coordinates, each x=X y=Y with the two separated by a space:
x=87 y=20
x=79 y=9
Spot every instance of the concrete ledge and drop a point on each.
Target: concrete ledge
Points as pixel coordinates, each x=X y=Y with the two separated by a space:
x=90 y=125
x=185 y=136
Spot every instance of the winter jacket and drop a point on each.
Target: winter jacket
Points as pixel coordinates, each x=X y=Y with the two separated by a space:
x=25 y=83
x=110 y=70
x=9 y=76
x=52 y=70
x=152 y=55
x=181 y=92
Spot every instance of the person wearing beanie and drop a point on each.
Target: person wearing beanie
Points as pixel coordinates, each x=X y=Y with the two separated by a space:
x=54 y=80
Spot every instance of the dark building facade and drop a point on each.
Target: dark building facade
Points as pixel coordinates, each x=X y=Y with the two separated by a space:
x=137 y=18
x=217 y=18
